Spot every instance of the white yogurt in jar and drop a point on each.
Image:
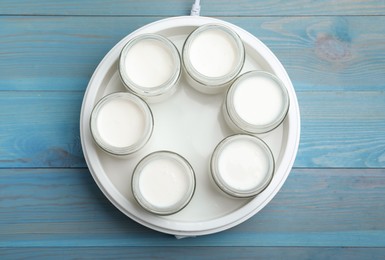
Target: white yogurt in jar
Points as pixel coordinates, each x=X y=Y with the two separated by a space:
x=242 y=165
x=150 y=66
x=257 y=102
x=121 y=123
x=213 y=55
x=163 y=183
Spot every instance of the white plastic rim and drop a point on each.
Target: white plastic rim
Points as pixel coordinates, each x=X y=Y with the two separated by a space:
x=182 y=228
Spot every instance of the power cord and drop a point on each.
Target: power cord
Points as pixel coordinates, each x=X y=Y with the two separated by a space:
x=196 y=8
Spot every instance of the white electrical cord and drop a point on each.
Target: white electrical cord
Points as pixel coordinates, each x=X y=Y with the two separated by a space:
x=196 y=8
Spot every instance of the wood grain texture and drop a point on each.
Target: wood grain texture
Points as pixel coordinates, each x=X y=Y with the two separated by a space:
x=335 y=64
x=325 y=53
x=342 y=129
x=177 y=7
x=319 y=53
x=57 y=53
x=40 y=129
x=332 y=205
x=316 y=208
x=151 y=252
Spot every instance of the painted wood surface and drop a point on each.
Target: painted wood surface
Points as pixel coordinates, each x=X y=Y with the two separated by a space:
x=335 y=131
x=335 y=64
x=316 y=207
x=182 y=7
x=332 y=205
x=316 y=253
x=328 y=53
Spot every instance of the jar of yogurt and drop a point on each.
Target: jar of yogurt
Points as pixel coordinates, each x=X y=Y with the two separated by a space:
x=150 y=67
x=213 y=55
x=163 y=182
x=257 y=102
x=242 y=165
x=121 y=123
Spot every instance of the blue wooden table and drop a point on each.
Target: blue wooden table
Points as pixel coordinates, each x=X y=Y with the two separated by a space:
x=333 y=203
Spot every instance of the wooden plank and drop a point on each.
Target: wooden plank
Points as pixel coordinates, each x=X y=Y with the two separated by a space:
x=151 y=252
x=55 y=53
x=316 y=208
x=339 y=129
x=325 y=53
x=319 y=53
x=40 y=129
x=342 y=129
x=209 y=8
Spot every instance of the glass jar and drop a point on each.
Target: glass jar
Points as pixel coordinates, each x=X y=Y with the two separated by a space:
x=150 y=67
x=242 y=165
x=163 y=183
x=257 y=102
x=213 y=55
x=121 y=123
